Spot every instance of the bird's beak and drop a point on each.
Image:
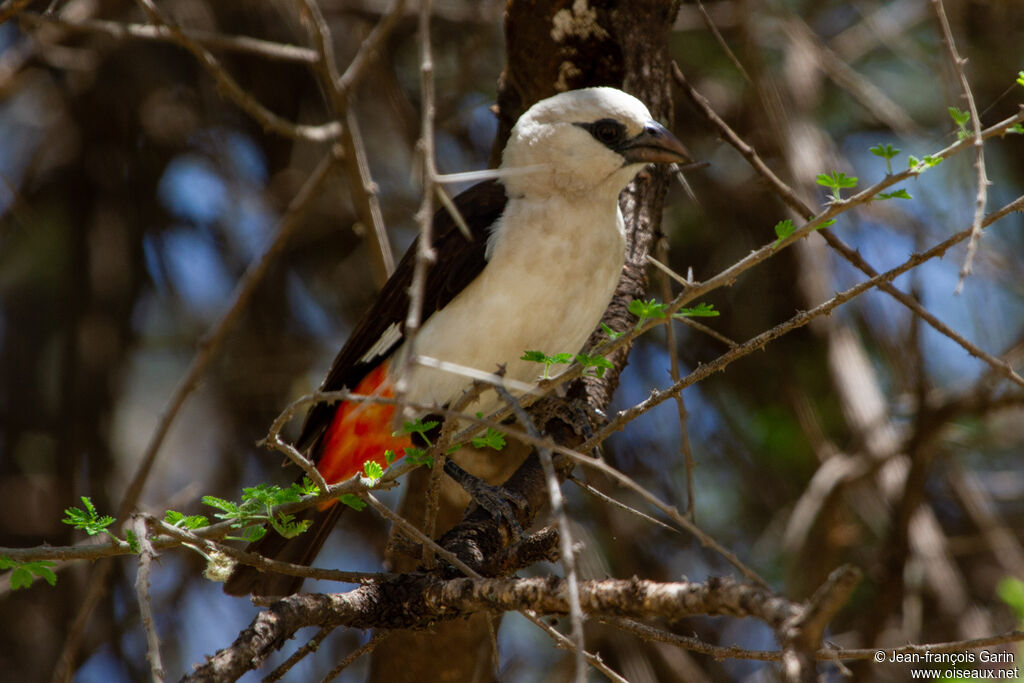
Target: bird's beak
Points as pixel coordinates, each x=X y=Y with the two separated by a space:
x=655 y=145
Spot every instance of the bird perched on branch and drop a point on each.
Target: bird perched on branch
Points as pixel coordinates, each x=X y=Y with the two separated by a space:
x=545 y=255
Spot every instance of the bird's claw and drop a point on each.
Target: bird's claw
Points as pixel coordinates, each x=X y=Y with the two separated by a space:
x=496 y=500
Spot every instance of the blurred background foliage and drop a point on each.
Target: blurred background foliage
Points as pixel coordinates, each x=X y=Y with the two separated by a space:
x=133 y=196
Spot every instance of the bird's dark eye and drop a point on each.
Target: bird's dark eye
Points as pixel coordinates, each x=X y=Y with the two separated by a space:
x=606 y=131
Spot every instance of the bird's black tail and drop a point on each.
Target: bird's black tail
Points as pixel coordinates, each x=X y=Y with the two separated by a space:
x=301 y=549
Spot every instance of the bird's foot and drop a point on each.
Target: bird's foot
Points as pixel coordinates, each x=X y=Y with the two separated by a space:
x=496 y=500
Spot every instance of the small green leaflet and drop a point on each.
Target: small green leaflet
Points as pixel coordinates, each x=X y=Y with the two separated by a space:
x=612 y=334
x=646 y=310
x=597 y=363
x=133 y=541
x=372 y=470
x=353 y=501
x=306 y=488
x=88 y=520
x=895 y=194
x=1020 y=78
x=701 y=310
x=960 y=118
x=548 y=361
x=928 y=162
x=182 y=521
x=419 y=456
x=836 y=181
x=783 y=229
x=887 y=152
x=492 y=439
x=24 y=573
x=418 y=426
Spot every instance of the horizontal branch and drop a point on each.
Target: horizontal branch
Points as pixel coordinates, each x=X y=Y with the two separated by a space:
x=162 y=34
x=416 y=601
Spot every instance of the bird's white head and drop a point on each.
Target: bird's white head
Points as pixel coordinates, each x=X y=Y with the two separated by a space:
x=589 y=142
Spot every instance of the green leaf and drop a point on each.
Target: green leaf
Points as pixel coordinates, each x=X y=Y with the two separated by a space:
x=1016 y=128
x=646 y=310
x=88 y=520
x=225 y=506
x=251 y=534
x=133 y=541
x=539 y=357
x=913 y=163
x=353 y=501
x=783 y=229
x=960 y=118
x=373 y=470
x=492 y=439
x=701 y=310
x=598 y=363
x=418 y=426
x=1011 y=591
x=389 y=457
x=887 y=152
x=287 y=526
x=533 y=356
x=24 y=573
x=419 y=456
x=306 y=488
x=896 y=194
x=182 y=521
x=612 y=334
x=268 y=495
x=826 y=224
x=1020 y=78
x=836 y=180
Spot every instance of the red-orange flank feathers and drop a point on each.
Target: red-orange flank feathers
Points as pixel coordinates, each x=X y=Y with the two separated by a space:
x=361 y=431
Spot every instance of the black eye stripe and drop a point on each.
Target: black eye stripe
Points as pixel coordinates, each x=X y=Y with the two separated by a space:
x=606 y=131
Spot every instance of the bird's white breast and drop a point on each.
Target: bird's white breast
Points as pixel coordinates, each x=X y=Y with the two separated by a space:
x=552 y=269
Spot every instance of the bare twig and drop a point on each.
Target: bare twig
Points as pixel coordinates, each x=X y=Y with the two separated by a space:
x=361 y=186
x=619 y=504
x=281 y=52
x=363 y=649
x=799 y=320
x=981 y=198
x=369 y=48
x=266 y=118
x=415 y=534
x=720 y=39
x=364 y=197
x=440 y=450
x=311 y=646
x=146 y=554
x=568 y=555
x=673 y=372
x=794 y=202
x=870 y=96
x=425 y=255
x=186 y=537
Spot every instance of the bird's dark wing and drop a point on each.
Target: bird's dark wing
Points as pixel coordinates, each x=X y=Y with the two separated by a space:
x=459 y=261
